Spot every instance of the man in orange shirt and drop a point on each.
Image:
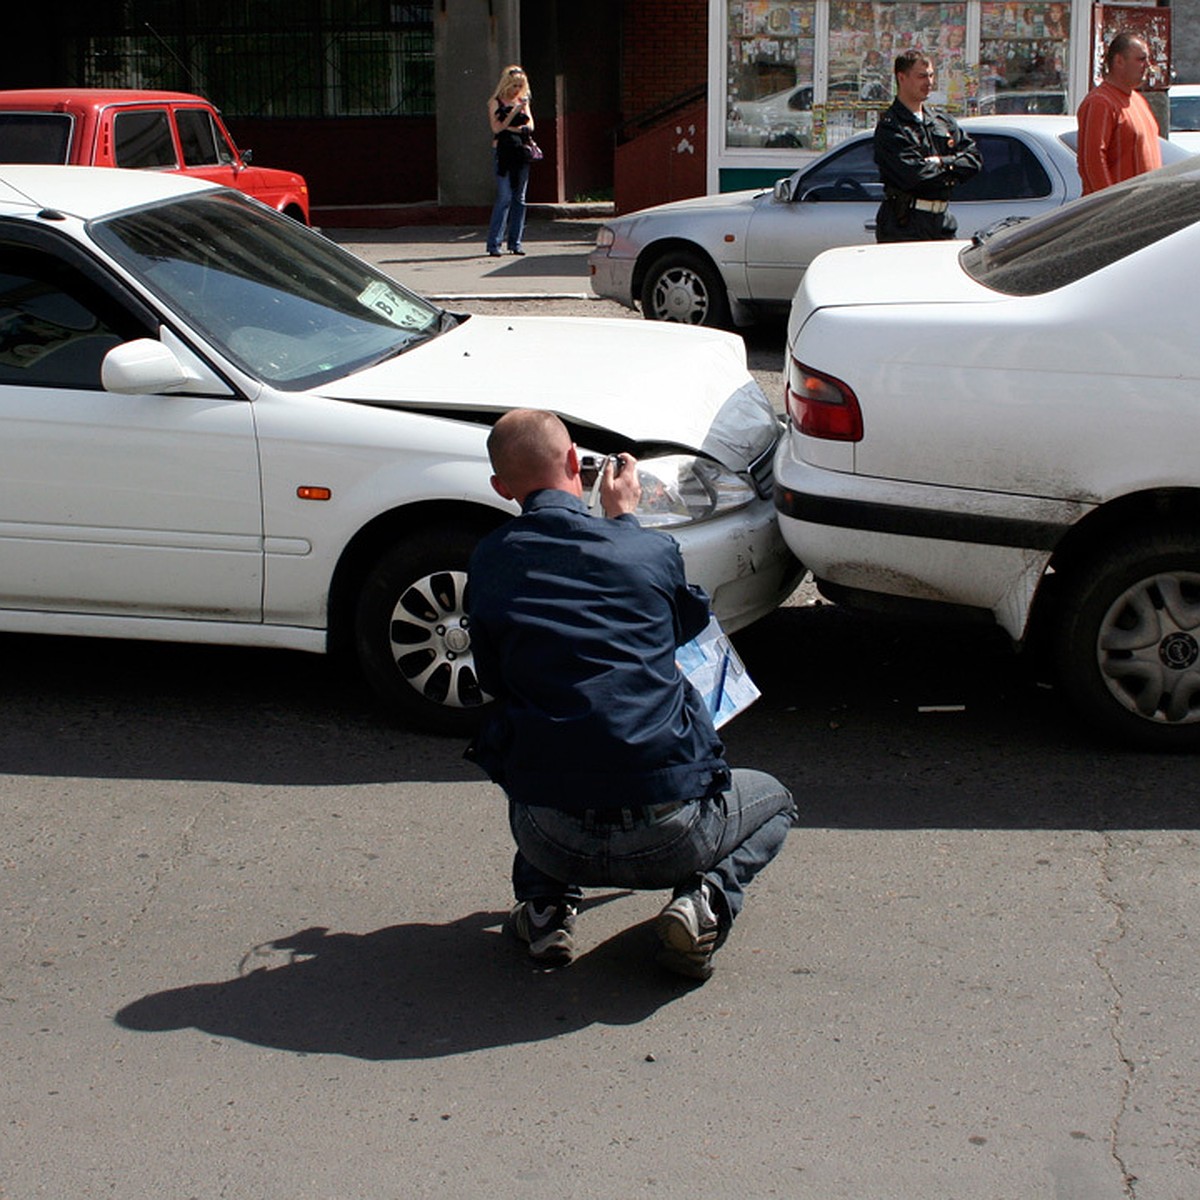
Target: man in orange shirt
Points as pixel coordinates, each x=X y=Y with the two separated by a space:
x=1118 y=135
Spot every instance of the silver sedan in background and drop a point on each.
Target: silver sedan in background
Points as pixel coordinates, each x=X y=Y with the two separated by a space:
x=730 y=259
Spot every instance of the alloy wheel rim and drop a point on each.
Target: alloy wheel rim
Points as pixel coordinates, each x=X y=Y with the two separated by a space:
x=430 y=640
x=680 y=295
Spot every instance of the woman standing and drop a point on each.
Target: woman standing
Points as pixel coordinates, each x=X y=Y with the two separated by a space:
x=512 y=124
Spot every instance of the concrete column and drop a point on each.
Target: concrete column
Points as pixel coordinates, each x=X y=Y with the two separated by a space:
x=473 y=41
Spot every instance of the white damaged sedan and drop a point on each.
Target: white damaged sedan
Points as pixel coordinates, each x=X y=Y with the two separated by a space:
x=218 y=426
x=1011 y=428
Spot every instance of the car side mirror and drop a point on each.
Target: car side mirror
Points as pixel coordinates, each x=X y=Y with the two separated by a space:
x=247 y=157
x=142 y=367
x=782 y=191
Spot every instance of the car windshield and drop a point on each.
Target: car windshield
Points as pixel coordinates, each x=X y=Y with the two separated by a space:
x=283 y=303
x=1062 y=246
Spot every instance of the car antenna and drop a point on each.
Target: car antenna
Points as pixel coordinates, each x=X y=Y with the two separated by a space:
x=170 y=50
x=49 y=214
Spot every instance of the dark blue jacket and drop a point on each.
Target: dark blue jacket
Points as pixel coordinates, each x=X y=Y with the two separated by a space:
x=574 y=624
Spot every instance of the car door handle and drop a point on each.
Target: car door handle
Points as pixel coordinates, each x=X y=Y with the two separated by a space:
x=869 y=226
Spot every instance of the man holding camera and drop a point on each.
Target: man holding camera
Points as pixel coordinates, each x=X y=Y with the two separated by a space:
x=922 y=153
x=614 y=773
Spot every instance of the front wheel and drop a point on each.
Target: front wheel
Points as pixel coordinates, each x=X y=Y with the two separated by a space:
x=412 y=632
x=684 y=287
x=1127 y=646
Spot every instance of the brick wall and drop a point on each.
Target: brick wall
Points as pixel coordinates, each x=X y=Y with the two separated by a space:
x=664 y=51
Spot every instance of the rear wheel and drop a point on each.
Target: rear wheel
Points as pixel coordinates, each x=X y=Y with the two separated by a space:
x=1127 y=644
x=412 y=631
x=685 y=287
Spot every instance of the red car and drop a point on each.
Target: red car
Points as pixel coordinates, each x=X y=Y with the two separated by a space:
x=125 y=127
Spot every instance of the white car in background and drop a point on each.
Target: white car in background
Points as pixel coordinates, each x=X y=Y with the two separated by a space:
x=780 y=119
x=218 y=426
x=1011 y=428
x=1184 y=101
x=730 y=259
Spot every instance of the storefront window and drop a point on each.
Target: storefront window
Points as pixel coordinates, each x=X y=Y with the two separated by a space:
x=789 y=89
x=1023 y=58
x=864 y=39
x=770 y=74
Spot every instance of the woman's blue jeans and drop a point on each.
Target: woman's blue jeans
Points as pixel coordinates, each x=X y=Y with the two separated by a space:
x=727 y=840
x=509 y=209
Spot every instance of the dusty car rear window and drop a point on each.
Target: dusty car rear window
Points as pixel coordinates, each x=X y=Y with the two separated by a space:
x=1069 y=243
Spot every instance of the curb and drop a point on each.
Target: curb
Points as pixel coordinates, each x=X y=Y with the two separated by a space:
x=396 y=216
x=509 y=296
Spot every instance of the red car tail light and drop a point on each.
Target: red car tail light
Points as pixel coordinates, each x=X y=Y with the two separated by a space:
x=821 y=406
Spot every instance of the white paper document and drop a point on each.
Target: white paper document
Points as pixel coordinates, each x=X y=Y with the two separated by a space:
x=717 y=672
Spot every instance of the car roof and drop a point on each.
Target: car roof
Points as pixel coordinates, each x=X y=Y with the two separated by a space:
x=88 y=192
x=91 y=97
x=1047 y=125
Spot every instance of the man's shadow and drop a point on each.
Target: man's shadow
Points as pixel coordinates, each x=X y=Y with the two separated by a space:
x=414 y=991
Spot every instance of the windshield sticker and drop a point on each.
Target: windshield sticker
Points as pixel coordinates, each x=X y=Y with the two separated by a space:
x=391 y=305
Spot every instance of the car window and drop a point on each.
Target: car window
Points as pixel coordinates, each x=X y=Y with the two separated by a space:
x=55 y=328
x=143 y=139
x=284 y=303
x=202 y=141
x=34 y=137
x=1011 y=171
x=848 y=175
x=1069 y=243
x=1008 y=103
x=1185 y=113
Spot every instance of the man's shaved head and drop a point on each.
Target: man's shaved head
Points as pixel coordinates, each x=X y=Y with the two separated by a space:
x=529 y=449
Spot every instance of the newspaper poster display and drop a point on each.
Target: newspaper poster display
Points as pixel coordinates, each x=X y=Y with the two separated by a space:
x=716 y=671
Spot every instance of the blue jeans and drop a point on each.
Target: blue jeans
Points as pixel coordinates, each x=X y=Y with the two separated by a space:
x=727 y=840
x=509 y=208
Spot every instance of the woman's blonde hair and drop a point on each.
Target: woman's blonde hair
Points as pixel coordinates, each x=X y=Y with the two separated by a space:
x=512 y=74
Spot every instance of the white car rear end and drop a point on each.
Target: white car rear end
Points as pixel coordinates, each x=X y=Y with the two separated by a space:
x=964 y=428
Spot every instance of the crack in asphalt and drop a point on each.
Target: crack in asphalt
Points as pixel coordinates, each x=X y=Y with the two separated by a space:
x=182 y=851
x=1105 y=888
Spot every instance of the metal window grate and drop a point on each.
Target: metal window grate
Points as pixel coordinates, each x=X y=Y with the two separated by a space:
x=267 y=59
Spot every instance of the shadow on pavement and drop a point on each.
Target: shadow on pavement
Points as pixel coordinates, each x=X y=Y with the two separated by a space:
x=873 y=723
x=414 y=991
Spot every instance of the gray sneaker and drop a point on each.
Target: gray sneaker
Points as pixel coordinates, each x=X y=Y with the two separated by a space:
x=689 y=931
x=548 y=927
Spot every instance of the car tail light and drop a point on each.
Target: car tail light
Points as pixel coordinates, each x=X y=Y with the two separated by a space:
x=821 y=406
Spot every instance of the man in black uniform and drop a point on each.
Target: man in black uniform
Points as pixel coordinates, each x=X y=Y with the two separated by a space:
x=921 y=153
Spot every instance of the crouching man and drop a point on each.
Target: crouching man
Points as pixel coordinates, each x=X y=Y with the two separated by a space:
x=614 y=773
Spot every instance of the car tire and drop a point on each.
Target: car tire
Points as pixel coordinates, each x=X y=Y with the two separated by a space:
x=686 y=288
x=1127 y=642
x=412 y=631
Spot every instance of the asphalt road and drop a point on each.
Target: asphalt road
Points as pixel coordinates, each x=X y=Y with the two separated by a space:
x=252 y=946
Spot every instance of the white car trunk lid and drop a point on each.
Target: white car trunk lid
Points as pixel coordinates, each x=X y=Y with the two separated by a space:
x=903 y=273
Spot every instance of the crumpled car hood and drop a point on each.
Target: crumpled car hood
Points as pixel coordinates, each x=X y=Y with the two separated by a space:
x=646 y=382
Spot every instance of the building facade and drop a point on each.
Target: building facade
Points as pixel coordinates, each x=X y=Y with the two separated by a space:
x=795 y=77
x=381 y=103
